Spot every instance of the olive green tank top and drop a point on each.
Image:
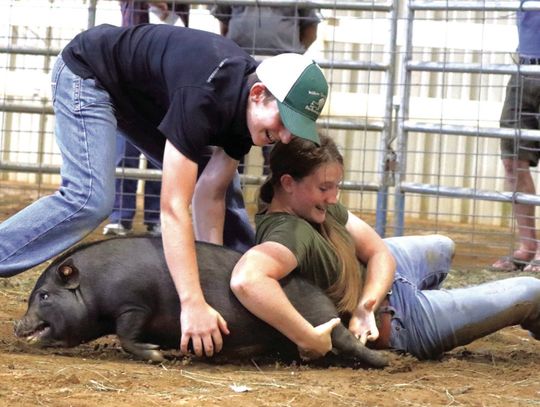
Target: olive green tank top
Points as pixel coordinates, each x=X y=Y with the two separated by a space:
x=317 y=261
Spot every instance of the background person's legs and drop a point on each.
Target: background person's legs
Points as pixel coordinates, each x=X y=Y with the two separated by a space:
x=152 y=193
x=125 y=203
x=125 y=200
x=238 y=234
x=518 y=178
x=520 y=111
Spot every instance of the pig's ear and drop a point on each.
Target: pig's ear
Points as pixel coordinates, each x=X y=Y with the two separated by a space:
x=68 y=274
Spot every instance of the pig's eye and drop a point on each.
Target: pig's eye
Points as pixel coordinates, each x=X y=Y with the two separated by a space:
x=43 y=296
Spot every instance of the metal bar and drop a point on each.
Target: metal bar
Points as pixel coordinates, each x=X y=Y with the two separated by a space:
x=457 y=192
x=504 y=69
x=402 y=135
x=321 y=4
x=357 y=186
x=30 y=51
x=488 y=132
x=325 y=123
x=323 y=63
x=155 y=175
x=19 y=108
x=130 y=173
x=466 y=5
x=381 y=213
x=92 y=5
x=328 y=123
x=352 y=65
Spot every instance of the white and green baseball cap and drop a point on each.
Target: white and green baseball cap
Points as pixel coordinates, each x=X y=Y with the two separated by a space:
x=300 y=88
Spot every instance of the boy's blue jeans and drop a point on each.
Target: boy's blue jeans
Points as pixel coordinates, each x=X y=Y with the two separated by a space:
x=86 y=130
x=429 y=321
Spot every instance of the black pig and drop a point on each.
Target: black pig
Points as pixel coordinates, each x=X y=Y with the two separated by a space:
x=123 y=287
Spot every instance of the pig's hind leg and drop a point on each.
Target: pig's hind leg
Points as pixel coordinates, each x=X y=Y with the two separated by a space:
x=347 y=348
x=317 y=308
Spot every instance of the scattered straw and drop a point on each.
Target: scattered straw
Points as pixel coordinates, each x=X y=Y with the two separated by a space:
x=98 y=386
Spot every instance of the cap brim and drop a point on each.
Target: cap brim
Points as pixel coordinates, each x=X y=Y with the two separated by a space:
x=298 y=124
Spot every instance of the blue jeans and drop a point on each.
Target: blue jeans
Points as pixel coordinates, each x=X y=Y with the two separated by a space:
x=125 y=201
x=85 y=132
x=428 y=321
x=86 y=129
x=238 y=234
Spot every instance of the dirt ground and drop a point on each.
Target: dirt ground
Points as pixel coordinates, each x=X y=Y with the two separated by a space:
x=500 y=370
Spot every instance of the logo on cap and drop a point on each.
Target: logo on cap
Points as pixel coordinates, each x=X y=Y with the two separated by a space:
x=316 y=106
x=308 y=94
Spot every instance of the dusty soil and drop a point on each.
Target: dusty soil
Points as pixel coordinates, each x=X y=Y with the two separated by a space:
x=500 y=370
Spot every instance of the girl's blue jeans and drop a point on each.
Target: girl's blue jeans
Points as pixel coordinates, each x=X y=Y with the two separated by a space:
x=428 y=320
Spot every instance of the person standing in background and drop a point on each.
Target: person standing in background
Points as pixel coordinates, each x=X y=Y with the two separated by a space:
x=125 y=203
x=135 y=12
x=267 y=31
x=521 y=109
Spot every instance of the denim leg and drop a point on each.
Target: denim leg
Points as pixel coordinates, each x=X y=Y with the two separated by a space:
x=428 y=321
x=85 y=132
x=238 y=234
x=423 y=260
x=444 y=319
x=423 y=263
x=125 y=202
x=152 y=194
x=125 y=188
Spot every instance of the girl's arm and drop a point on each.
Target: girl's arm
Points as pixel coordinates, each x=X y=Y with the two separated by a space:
x=379 y=277
x=255 y=282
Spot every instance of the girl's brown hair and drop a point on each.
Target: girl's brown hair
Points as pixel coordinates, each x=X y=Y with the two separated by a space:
x=299 y=158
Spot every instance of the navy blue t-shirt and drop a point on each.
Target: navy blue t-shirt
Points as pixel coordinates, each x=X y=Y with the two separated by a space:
x=169 y=83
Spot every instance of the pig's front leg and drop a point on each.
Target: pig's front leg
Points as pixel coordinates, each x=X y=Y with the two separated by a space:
x=129 y=325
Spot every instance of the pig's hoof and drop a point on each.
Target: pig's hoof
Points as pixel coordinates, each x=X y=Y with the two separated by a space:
x=153 y=356
x=144 y=351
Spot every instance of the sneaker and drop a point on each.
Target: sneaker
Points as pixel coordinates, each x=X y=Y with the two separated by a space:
x=154 y=229
x=116 y=229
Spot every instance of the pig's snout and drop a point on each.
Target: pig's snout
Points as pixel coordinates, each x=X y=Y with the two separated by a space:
x=32 y=330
